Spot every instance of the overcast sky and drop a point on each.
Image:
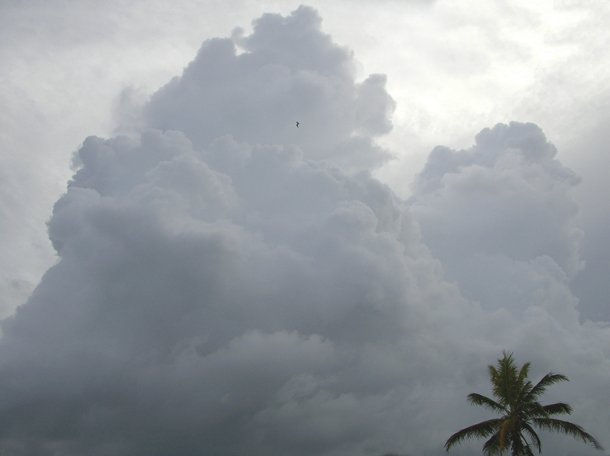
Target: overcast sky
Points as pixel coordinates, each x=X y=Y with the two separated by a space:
x=221 y=282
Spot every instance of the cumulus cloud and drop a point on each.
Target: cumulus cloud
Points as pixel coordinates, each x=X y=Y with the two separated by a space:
x=502 y=219
x=230 y=284
x=259 y=94
x=507 y=200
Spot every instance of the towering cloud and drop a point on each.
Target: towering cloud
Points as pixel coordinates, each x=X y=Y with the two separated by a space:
x=229 y=284
x=287 y=71
x=505 y=203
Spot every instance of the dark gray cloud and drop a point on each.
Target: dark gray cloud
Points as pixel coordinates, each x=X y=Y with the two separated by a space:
x=229 y=284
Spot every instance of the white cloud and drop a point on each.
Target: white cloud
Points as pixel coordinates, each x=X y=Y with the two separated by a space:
x=508 y=196
x=259 y=95
x=231 y=284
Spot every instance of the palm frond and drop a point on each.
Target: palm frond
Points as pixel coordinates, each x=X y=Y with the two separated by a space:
x=480 y=430
x=491 y=447
x=504 y=379
x=530 y=431
x=517 y=444
x=559 y=408
x=493 y=378
x=528 y=450
x=479 y=399
x=535 y=409
x=525 y=390
x=523 y=372
x=544 y=382
x=565 y=427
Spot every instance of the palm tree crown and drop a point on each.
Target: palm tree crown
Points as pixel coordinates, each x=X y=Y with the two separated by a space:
x=516 y=400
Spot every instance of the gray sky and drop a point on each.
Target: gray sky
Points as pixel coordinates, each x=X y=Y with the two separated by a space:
x=224 y=281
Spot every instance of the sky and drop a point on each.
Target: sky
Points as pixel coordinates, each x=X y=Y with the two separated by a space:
x=186 y=272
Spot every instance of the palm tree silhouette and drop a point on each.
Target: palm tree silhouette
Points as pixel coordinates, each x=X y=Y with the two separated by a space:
x=516 y=400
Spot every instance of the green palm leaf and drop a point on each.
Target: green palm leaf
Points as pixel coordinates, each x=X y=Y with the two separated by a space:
x=535 y=409
x=482 y=429
x=558 y=408
x=492 y=446
x=546 y=381
x=523 y=372
x=565 y=427
x=528 y=451
x=530 y=431
x=479 y=399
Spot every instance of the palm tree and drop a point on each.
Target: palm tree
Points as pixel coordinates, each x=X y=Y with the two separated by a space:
x=516 y=400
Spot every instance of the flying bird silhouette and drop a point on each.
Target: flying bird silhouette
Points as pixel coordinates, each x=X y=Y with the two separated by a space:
x=298 y=123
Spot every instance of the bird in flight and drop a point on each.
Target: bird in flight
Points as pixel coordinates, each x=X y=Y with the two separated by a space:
x=298 y=123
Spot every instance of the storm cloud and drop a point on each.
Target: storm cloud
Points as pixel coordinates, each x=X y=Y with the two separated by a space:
x=229 y=284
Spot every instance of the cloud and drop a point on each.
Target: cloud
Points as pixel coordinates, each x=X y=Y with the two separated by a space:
x=501 y=218
x=591 y=159
x=507 y=200
x=260 y=93
x=230 y=284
